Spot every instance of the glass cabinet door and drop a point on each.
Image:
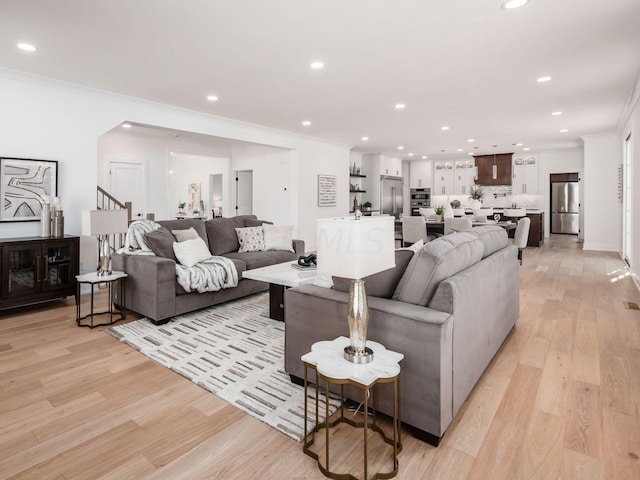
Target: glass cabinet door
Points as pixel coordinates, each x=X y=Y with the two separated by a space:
x=57 y=266
x=21 y=270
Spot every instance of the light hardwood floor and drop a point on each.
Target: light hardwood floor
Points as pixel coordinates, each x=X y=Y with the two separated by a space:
x=560 y=400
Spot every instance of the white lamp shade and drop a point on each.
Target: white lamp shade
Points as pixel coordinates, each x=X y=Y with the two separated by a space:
x=104 y=222
x=355 y=248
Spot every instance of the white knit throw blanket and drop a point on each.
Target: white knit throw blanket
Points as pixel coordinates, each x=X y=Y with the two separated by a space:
x=209 y=275
x=134 y=243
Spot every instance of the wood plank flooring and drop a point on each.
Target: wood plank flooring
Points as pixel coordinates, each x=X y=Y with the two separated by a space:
x=560 y=400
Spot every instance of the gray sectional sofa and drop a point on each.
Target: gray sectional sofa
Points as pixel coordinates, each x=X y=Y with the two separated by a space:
x=151 y=286
x=448 y=308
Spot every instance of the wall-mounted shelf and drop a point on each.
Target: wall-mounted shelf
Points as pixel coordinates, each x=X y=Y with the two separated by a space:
x=357 y=191
x=356 y=175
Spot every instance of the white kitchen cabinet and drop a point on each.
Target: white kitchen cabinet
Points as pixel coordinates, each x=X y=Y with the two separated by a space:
x=383 y=164
x=465 y=173
x=524 y=175
x=443 y=178
x=421 y=175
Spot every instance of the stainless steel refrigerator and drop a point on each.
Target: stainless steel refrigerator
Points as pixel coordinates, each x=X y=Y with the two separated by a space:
x=391 y=195
x=565 y=207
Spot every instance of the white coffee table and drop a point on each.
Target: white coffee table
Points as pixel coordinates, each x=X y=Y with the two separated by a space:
x=280 y=277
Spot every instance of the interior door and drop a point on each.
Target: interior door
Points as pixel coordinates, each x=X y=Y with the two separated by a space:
x=127 y=183
x=244 y=192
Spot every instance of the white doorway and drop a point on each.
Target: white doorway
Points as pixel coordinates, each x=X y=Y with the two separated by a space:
x=627 y=202
x=244 y=192
x=127 y=183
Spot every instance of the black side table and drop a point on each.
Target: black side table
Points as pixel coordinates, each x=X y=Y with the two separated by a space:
x=117 y=278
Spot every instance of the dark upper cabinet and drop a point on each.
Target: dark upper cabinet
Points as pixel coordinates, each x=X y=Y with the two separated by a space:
x=485 y=169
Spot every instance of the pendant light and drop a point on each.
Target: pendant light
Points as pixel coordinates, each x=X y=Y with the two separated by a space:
x=494 y=168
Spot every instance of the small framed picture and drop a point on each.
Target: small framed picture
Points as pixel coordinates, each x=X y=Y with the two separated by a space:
x=25 y=185
x=327 y=192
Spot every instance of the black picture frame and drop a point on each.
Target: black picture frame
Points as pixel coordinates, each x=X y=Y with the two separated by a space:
x=25 y=184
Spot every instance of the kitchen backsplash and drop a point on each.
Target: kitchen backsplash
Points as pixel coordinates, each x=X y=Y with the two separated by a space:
x=498 y=197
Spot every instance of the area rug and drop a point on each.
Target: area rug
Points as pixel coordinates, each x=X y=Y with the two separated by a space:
x=235 y=351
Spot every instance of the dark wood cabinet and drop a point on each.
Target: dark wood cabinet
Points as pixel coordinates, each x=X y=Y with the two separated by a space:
x=35 y=269
x=536 y=229
x=485 y=164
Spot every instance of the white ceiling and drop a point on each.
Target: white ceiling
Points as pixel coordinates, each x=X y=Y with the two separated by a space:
x=468 y=64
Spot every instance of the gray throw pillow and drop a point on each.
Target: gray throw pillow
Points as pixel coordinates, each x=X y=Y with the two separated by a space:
x=381 y=284
x=160 y=242
x=184 y=235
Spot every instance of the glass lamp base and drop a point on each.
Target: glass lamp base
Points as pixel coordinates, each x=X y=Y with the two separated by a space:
x=351 y=355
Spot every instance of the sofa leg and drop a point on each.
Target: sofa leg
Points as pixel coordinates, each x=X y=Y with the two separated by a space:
x=424 y=436
x=296 y=380
x=160 y=322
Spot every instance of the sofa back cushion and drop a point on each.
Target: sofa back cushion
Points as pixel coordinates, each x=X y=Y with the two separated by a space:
x=493 y=238
x=221 y=233
x=381 y=284
x=437 y=260
x=185 y=224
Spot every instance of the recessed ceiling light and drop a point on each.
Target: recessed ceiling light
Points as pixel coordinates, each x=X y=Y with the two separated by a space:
x=424 y=157
x=471 y=140
x=400 y=106
x=444 y=127
x=546 y=78
x=410 y=154
x=126 y=125
x=519 y=144
x=443 y=150
x=400 y=147
x=555 y=114
x=306 y=123
x=564 y=130
x=317 y=65
x=212 y=98
x=526 y=149
x=461 y=149
x=27 y=47
x=364 y=139
x=170 y=172
x=470 y=153
x=475 y=148
x=510 y=4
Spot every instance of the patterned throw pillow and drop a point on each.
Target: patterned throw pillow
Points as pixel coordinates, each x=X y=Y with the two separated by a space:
x=251 y=239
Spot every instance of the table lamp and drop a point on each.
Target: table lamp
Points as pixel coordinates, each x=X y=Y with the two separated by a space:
x=355 y=249
x=102 y=223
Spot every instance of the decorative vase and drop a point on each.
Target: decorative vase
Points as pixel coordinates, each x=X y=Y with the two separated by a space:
x=476 y=205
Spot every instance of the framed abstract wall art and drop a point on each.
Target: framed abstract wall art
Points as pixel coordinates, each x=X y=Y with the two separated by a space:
x=24 y=186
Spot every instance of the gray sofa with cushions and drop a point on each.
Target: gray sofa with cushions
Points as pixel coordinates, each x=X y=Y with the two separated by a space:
x=151 y=286
x=448 y=308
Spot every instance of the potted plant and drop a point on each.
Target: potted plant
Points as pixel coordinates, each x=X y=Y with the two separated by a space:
x=366 y=206
x=439 y=210
x=181 y=206
x=475 y=194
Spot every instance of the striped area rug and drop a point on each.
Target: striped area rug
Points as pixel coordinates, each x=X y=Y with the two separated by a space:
x=235 y=351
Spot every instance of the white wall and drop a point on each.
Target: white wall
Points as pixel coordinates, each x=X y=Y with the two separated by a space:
x=558 y=161
x=186 y=169
x=602 y=211
x=51 y=120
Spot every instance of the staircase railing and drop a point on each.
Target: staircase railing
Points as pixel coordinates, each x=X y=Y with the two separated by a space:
x=106 y=201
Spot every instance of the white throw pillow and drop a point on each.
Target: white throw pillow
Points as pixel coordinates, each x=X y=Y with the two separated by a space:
x=278 y=237
x=251 y=239
x=191 y=251
x=188 y=234
x=415 y=248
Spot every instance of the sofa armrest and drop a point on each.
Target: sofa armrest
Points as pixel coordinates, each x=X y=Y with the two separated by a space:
x=150 y=286
x=421 y=333
x=298 y=248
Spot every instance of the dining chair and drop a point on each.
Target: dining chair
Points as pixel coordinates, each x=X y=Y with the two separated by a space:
x=521 y=235
x=414 y=228
x=457 y=224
